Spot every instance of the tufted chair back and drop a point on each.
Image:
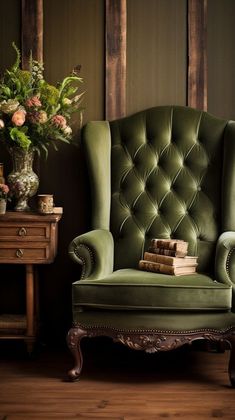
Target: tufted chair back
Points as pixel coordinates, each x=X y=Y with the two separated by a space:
x=164 y=181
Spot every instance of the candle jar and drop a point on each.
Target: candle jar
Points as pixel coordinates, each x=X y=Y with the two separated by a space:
x=45 y=204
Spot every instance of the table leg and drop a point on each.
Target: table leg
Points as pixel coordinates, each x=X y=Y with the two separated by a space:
x=30 y=334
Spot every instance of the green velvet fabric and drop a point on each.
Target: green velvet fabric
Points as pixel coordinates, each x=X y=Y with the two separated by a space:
x=98 y=152
x=135 y=289
x=154 y=320
x=166 y=182
x=94 y=250
x=225 y=259
x=166 y=172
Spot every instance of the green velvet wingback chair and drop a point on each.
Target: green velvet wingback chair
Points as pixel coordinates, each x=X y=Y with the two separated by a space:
x=167 y=172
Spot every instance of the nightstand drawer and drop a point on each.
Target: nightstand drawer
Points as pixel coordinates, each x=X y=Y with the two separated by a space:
x=34 y=232
x=21 y=253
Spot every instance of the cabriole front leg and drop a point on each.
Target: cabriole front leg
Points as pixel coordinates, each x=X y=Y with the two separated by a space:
x=73 y=340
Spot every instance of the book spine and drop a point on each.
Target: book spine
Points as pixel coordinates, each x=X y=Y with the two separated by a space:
x=172 y=244
x=164 y=259
x=166 y=269
x=155 y=267
x=168 y=260
x=169 y=252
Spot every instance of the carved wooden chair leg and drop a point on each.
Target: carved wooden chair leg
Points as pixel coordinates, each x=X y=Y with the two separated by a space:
x=231 y=367
x=73 y=340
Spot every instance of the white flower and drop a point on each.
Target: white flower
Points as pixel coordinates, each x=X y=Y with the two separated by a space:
x=2 y=125
x=67 y=130
x=67 y=101
x=9 y=106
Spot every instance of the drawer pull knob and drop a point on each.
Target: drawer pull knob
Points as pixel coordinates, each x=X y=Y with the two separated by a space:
x=22 y=232
x=19 y=253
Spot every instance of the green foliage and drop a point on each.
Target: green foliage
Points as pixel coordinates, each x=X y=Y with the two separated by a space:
x=49 y=95
x=18 y=135
x=34 y=113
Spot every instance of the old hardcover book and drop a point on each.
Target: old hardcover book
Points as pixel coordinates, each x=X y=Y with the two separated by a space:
x=170 y=252
x=173 y=244
x=168 y=260
x=166 y=269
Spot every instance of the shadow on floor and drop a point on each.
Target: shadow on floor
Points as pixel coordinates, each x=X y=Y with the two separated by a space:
x=107 y=362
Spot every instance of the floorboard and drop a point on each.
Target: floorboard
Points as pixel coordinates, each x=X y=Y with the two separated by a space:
x=116 y=384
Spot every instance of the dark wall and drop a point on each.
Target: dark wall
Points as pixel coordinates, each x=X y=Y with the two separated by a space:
x=221 y=58
x=156 y=53
x=74 y=33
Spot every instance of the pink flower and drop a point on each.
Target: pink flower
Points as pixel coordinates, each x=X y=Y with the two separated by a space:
x=59 y=121
x=33 y=102
x=18 y=118
x=2 y=125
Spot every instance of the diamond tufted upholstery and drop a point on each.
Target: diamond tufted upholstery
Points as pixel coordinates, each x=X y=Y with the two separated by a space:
x=166 y=172
x=179 y=151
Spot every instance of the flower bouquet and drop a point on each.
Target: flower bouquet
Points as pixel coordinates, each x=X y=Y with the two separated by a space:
x=34 y=113
x=34 y=116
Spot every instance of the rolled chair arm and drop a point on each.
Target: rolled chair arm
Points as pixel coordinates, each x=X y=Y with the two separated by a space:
x=225 y=258
x=94 y=250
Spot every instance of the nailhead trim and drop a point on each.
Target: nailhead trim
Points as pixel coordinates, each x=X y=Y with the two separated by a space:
x=76 y=251
x=228 y=262
x=152 y=331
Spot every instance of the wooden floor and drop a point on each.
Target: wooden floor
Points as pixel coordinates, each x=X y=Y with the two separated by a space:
x=116 y=384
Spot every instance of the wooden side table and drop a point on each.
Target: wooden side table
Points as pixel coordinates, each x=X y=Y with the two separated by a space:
x=26 y=238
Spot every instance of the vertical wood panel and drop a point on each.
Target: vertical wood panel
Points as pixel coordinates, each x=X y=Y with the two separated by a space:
x=221 y=58
x=197 y=54
x=32 y=31
x=156 y=53
x=115 y=98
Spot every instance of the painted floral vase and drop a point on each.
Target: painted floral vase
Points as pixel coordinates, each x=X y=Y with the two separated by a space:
x=22 y=181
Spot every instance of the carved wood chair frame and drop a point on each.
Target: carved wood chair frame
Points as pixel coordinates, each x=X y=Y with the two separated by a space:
x=151 y=341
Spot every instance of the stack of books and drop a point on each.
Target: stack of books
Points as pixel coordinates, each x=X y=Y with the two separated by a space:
x=168 y=256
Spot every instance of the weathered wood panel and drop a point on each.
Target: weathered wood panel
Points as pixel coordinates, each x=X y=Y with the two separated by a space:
x=32 y=30
x=115 y=98
x=197 y=54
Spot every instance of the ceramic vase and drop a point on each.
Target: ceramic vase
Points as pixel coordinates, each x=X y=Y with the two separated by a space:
x=22 y=181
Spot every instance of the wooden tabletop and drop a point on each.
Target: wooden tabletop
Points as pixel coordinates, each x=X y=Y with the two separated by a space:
x=15 y=216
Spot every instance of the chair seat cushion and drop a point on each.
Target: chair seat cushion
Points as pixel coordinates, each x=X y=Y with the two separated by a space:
x=135 y=289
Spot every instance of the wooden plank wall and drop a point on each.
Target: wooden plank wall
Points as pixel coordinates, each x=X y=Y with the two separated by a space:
x=115 y=89
x=116 y=48
x=197 y=54
x=31 y=31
